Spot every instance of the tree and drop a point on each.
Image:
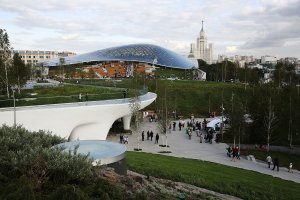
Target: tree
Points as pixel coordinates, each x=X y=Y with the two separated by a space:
x=19 y=72
x=164 y=120
x=5 y=53
x=270 y=121
x=134 y=106
x=236 y=119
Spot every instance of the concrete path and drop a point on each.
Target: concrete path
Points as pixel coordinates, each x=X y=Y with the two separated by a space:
x=181 y=146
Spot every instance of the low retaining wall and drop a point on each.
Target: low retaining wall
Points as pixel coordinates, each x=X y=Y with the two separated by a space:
x=283 y=149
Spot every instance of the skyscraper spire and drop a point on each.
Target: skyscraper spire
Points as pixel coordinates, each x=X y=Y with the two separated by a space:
x=202 y=27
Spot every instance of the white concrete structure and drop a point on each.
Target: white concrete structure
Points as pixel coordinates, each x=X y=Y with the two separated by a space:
x=202 y=50
x=75 y=121
x=268 y=60
x=200 y=75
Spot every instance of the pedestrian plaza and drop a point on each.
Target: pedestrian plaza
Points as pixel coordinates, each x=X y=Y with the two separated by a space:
x=181 y=146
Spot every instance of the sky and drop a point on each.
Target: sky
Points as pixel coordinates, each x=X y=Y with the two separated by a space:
x=235 y=27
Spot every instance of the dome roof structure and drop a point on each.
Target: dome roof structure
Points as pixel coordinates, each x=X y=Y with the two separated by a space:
x=145 y=53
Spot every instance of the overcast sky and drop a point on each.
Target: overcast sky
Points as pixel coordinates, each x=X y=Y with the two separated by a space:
x=245 y=27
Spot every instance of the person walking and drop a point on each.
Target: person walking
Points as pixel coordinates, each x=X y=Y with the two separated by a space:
x=291 y=168
x=276 y=163
x=156 y=138
x=80 y=97
x=121 y=138
x=201 y=137
x=269 y=160
x=143 y=136
x=151 y=135
x=125 y=139
x=235 y=153
x=86 y=97
x=148 y=135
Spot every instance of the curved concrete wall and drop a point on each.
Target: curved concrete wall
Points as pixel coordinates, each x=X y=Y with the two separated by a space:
x=74 y=121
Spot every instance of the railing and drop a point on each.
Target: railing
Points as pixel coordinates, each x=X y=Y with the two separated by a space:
x=70 y=98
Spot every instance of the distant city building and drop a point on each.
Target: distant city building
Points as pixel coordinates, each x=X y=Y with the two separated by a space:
x=297 y=68
x=202 y=50
x=268 y=60
x=252 y=66
x=288 y=60
x=34 y=57
x=238 y=59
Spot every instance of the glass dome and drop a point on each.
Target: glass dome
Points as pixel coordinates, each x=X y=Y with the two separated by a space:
x=145 y=53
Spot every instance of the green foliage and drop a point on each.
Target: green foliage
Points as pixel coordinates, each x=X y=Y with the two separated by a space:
x=5 y=54
x=19 y=189
x=227 y=70
x=19 y=73
x=224 y=179
x=67 y=192
x=31 y=168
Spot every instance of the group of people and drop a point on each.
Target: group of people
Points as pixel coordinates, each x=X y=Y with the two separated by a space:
x=205 y=134
x=153 y=118
x=233 y=153
x=150 y=136
x=123 y=139
x=276 y=163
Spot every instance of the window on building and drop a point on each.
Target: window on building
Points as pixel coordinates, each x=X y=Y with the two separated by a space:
x=41 y=56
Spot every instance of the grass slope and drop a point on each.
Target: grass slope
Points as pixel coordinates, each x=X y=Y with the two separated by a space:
x=224 y=179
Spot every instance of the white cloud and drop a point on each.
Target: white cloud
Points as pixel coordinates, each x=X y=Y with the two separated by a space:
x=249 y=26
x=231 y=49
x=70 y=37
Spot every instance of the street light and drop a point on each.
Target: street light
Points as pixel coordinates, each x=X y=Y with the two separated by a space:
x=222 y=112
x=14 y=108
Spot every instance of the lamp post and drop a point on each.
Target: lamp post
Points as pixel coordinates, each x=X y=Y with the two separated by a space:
x=14 y=108
x=222 y=112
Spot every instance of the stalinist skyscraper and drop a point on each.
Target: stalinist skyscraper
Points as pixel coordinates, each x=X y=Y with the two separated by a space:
x=201 y=50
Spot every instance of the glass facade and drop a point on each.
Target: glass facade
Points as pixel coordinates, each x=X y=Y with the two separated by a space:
x=145 y=53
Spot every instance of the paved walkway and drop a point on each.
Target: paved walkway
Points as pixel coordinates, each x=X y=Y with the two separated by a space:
x=181 y=146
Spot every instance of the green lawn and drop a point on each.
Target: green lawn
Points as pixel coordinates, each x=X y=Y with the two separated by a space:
x=220 y=178
x=284 y=159
x=62 y=94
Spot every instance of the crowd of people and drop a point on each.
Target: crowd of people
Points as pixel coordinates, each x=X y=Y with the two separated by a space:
x=191 y=126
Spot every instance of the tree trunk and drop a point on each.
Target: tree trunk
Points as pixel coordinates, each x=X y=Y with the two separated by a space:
x=7 y=90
